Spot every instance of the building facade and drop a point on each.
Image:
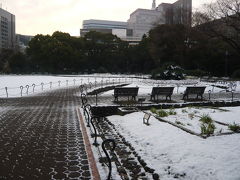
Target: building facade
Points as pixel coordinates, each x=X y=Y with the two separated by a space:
x=141 y=21
x=7 y=30
x=114 y=27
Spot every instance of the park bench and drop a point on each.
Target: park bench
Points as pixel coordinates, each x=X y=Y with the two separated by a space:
x=199 y=91
x=166 y=91
x=125 y=91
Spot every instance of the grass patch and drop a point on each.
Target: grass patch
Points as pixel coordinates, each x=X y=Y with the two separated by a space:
x=234 y=127
x=184 y=111
x=207 y=126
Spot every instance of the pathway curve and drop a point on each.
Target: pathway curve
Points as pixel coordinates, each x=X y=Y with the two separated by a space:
x=40 y=138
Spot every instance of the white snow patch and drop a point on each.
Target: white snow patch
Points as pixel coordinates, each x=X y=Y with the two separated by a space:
x=170 y=150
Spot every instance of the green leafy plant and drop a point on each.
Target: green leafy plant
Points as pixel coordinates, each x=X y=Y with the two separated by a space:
x=234 y=127
x=162 y=113
x=207 y=126
x=153 y=110
x=205 y=118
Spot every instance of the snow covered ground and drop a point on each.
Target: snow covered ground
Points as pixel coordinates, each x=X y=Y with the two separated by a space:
x=145 y=87
x=34 y=82
x=173 y=152
x=14 y=83
x=189 y=117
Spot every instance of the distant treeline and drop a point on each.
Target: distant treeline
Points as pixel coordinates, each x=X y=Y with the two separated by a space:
x=190 y=48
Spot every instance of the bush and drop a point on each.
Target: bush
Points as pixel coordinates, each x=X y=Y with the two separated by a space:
x=168 y=72
x=236 y=74
x=234 y=127
x=207 y=126
x=206 y=119
x=153 y=110
x=162 y=113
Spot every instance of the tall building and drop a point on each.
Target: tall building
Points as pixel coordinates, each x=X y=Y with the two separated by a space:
x=114 y=27
x=182 y=12
x=7 y=30
x=141 y=21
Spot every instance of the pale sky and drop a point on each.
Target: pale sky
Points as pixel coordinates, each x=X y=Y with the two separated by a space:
x=46 y=16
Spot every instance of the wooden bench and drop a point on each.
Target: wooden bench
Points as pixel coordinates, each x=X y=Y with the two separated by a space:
x=125 y=91
x=199 y=91
x=166 y=91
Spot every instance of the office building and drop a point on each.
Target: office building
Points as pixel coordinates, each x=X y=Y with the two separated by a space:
x=141 y=21
x=114 y=27
x=7 y=30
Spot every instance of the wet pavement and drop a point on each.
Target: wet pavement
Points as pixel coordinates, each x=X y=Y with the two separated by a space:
x=40 y=137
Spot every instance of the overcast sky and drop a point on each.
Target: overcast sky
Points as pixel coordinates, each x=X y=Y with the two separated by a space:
x=46 y=16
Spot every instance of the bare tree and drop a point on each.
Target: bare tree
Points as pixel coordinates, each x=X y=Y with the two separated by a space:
x=223 y=21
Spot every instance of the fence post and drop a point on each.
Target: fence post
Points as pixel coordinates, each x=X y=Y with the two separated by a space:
x=74 y=81
x=42 y=85
x=33 y=85
x=67 y=83
x=6 y=91
x=21 y=89
x=50 y=85
x=27 y=86
x=59 y=82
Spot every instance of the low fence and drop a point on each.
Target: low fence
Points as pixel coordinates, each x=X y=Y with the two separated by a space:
x=29 y=89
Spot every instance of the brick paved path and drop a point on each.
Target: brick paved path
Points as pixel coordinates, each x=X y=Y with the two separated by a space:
x=40 y=138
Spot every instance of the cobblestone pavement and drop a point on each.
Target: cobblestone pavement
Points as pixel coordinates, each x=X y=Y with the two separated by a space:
x=40 y=138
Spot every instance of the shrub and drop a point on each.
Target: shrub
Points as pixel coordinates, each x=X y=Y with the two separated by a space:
x=206 y=119
x=153 y=110
x=207 y=129
x=162 y=113
x=234 y=127
x=207 y=126
x=168 y=72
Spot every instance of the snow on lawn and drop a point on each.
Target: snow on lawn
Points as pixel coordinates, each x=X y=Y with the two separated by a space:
x=173 y=152
x=13 y=82
x=145 y=87
x=189 y=117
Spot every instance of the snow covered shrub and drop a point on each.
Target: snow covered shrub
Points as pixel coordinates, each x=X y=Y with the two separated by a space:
x=234 y=127
x=168 y=72
x=207 y=126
